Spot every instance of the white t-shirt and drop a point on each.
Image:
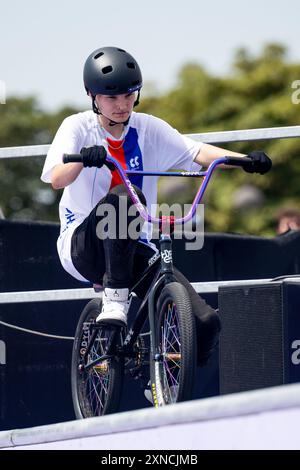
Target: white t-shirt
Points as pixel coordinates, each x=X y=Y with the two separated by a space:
x=148 y=144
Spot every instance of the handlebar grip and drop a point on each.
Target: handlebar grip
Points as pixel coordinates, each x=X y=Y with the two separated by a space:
x=72 y=158
x=238 y=161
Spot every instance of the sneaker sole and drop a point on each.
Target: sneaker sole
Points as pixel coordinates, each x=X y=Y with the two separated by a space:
x=111 y=321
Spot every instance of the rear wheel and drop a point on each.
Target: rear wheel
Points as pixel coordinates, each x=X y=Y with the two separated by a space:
x=96 y=389
x=173 y=368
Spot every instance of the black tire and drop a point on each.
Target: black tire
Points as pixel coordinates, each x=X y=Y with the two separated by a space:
x=173 y=372
x=95 y=392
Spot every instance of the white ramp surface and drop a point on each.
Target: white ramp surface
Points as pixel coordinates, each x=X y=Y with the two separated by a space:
x=261 y=419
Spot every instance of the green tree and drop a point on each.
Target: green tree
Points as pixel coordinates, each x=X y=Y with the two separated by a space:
x=257 y=93
x=23 y=195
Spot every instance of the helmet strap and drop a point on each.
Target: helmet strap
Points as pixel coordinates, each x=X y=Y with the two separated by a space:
x=97 y=111
x=137 y=99
x=95 y=107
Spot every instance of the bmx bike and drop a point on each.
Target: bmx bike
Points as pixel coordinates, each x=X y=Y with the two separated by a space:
x=103 y=353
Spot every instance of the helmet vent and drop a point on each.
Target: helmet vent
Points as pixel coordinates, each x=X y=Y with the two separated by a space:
x=130 y=65
x=98 y=55
x=110 y=87
x=107 y=69
x=121 y=50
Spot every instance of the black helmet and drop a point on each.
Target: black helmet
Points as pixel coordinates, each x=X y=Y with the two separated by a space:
x=111 y=71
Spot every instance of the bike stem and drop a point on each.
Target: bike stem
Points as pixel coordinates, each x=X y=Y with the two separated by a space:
x=166 y=258
x=166 y=229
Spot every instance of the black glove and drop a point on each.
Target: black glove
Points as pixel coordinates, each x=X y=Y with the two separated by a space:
x=95 y=156
x=261 y=163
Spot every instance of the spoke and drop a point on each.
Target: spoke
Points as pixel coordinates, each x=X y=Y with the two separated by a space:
x=171 y=376
x=175 y=325
x=172 y=326
x=95 y=398
x=167 y=342
x=100 y=387
x=170 y=340
x=96 y=381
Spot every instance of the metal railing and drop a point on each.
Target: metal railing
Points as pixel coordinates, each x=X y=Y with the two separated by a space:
x=269 y=133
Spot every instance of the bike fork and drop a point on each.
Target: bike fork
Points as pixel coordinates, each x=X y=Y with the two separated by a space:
x=167 y=275
x=166 y=257
x=155 y=355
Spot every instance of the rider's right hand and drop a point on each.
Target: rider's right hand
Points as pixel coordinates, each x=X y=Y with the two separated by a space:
x=94 y=156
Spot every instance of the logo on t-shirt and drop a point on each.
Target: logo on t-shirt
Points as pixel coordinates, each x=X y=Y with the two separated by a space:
x=69 y=216
x=129 y=156
x=134 y=162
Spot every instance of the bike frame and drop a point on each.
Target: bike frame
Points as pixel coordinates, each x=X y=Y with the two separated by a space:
x=164 y=271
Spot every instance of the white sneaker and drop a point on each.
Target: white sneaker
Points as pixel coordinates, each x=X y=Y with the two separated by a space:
x=115 y=306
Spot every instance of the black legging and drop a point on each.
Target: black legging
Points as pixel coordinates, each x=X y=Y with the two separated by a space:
x=107 y=260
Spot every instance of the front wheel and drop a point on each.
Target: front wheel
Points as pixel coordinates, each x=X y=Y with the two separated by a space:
x=96 y=389
x=173 y=367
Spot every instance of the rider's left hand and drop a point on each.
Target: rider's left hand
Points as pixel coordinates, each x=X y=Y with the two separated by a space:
x=261 y=163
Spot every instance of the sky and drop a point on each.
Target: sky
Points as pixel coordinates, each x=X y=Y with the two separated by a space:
x=43 y=45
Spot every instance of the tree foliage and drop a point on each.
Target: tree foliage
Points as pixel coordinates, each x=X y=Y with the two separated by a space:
x=23 y=195
x=256 y=94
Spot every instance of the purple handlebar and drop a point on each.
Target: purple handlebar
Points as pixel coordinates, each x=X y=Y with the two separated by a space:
x=135 y=199
x=233 y=161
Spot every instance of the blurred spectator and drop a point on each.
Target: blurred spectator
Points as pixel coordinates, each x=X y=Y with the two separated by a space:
x=248 y=196
x=288 y=219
